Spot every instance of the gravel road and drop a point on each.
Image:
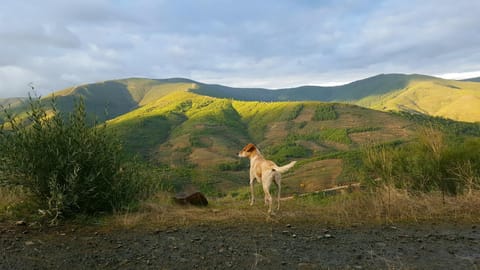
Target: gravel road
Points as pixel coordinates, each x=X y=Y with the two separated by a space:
x=242 y=246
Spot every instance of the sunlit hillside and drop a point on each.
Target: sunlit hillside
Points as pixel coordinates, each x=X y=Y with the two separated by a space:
x=446 y=98
x=428 y=95
x=195 y=136
x=184 y=129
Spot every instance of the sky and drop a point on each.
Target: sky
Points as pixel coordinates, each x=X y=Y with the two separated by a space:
x=54 y=44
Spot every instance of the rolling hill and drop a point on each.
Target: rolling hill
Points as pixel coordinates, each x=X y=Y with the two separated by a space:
x=109 y=99
x=11 y=101
x=193 y=130
x=184 y=129
x=457 y=100
x=477 y=79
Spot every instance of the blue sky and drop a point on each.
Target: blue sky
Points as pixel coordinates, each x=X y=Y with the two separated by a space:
x=270 y=43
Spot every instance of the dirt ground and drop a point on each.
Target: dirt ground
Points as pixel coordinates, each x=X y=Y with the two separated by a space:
x=242 y=246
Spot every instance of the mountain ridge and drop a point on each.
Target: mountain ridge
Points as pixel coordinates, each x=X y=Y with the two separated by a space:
x=395 y=91
x=194 y=137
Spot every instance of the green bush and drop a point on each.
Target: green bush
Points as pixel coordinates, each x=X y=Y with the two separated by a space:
x=325 y=112
x=68 y=165
x=430 y=163
x=285 y=152
x=339 y=135
x=239 y=165
x=295 y=112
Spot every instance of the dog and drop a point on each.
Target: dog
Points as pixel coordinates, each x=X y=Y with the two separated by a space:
x=265 y=171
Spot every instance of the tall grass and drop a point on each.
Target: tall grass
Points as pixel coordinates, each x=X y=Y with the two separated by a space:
x=433 y=162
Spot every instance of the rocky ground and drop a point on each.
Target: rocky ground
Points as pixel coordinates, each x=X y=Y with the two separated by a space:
x=242 y=246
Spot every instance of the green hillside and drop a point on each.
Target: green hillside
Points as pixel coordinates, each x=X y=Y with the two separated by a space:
x=477 y=79
x=373 y=86
x=11 y=101
x=446 y=98
x=109 y=99
x=199 y=136
x=457 y=100
x=180 y=127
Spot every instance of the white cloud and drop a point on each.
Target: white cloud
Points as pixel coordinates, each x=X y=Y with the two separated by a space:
x=17 y=81
x=240 y=43
x=460 y=75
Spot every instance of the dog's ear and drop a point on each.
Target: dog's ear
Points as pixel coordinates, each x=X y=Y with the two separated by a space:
x=249 y=148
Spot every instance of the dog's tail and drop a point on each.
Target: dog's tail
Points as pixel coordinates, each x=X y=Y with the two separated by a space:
x=285 y=168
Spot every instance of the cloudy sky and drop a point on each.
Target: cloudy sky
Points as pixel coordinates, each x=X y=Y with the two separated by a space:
x=256 y=43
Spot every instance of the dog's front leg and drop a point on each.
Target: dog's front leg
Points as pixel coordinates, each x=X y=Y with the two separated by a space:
x=252 y=191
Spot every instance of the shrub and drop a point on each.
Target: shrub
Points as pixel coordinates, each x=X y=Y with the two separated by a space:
x=430 y=163
x=285 y=152
x=295 y=112
x=67 y=165
x=239 y=165
x=325 y=112
x=339 y=135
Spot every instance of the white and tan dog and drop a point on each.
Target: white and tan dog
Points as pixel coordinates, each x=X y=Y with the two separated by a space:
x=265 y=171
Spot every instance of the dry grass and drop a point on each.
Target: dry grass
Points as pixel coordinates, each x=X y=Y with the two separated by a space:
x=391 y=205
x=313 y=176
x=9 y=198
x=385 y=206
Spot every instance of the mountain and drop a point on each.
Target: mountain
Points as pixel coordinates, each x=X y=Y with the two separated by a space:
x=457 y=100
x=5 y=102
x=195 y=137
x=192 y=130
x=109 y=99
x=477 y=79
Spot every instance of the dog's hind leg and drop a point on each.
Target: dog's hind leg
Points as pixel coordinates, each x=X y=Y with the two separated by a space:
x=252 y=191
x=266 y=190
x=278 y=181
x=268 y=198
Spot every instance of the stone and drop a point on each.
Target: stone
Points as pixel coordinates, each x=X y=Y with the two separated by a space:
x=21 y=223
x=194 y=198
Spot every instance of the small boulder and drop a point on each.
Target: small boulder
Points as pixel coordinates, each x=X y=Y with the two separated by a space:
x=194 y=198
x=21 y=223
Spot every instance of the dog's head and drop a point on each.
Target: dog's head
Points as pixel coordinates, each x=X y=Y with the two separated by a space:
x=248 y=150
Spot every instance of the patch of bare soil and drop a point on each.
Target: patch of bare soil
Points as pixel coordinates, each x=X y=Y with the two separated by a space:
x=242 y=246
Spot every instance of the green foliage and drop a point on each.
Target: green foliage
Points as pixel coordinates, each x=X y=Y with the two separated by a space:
x=339 y=135
x=286 y=151
x=67 y=165
x=258 y=115
x=141 y=135
x=362 y=129
x=432 y=162
x=448 y=126
x=239 y=165
x=196 y=141
x=295 y=112
x=324 y=112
